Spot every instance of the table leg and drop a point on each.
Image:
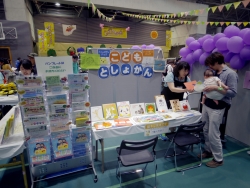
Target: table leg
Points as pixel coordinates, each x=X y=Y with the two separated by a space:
x=24 y=171
x=96 y=150
x=102 y=150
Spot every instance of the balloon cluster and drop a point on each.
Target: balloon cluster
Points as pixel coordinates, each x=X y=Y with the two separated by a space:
x=146 y=47
x=233 y=44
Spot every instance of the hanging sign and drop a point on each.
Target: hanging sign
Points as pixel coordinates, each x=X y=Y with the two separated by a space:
x=148 y=58
x=42 y=41
x=50 y=34
x=104 y=55
x=114 y=32
x=156 y=128
x=168 y=39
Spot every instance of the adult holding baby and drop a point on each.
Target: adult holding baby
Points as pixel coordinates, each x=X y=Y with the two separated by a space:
x=213 y=112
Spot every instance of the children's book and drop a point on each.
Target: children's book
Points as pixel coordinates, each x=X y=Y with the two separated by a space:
x=78 y=87
x=161 y=103
x=150 y=108
x=55 y=118
x=52 y=80
x=34 y=111
x=78 y=78
x=123 y=109
x=59 y=108
x=175 y=104
x=110 y=111
x=31 y=101
x=38 y=120
x=39 y=131
x=26 y=92
x=137 y=109
x=80 y=105
x=61 y=126
x=57 y=99
x=39 y=150
x=190 y=85
x=185 y=105
x=79 y=96
x=96 y=113
x=80 y=135
x=81 y=118
x=122 y=122
x=29 y=81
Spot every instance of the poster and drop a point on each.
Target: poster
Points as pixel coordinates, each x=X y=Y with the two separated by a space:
x=114 y=32
x=148 y=58
x=168 y=39
x=51 y=66
x=104 y=56
x=156 y=128
x=90 y=61
x=68 y=29
x=50 y=34
x=42 y=41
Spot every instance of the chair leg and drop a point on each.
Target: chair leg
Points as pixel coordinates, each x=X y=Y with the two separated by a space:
x=120 y=174
x=155 y=170
x=117 y=168
x=168 y=148
x=143 y=171
x=175 y=161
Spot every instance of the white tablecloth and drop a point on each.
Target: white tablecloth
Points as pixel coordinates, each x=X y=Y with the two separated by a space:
x=134 y=129
x=14 y=145
x=9 y=100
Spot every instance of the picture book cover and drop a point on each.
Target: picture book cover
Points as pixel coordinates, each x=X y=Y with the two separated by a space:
x=31 y=101
x=79 y=96
x=39 y=150
x=52 y=80
x=147 y=118
x=34 y=110
x=59 y=108
x=26 y=92
x=150 y=108
x=62 y=117
x=137 y=109
x=57 y=99
x=123 y=109
x=110 y=111
x=122 y=122
x=103 y=124
x=80 y=105
x=29 y=81
x=185 y=105
x=37 y=131
x=81 y=118
x=80 y=135
x=61 y=126
x=96 y=113
x=78 y=78
x=161 y=103
x=175 y=104
x=38 y=120
x=78 y=87
x=190 y=85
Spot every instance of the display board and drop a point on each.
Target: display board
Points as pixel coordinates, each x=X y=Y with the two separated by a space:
x=130 y=87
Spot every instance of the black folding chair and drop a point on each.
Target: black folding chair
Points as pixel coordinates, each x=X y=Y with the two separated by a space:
x=187 y=135
x=132 y=153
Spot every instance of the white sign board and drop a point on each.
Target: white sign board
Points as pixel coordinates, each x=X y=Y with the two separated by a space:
x=51 y=66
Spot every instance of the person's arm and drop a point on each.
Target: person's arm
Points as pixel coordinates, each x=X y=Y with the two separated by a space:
x=175 y=89
x=170 y=68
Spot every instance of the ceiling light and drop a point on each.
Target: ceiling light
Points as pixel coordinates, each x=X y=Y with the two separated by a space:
x=57 y=4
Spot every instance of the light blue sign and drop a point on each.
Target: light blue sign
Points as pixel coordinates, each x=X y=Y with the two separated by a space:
x=137 y=70
x=114 y=70
x=103 y=72
x=104 y=53
x=126 y=69
x=147 y=72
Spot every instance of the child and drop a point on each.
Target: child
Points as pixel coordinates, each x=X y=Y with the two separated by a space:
x=210 y=79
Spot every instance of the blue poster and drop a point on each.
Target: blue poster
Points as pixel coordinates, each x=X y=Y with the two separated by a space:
x=126 y=69
x=114 y=70
x=147 y=72
x=103 y=72
x=137 y=70
x=104 y=55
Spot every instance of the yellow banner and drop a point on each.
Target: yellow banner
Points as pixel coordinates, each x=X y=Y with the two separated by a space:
x=114 y=32
x=168 y=39
x=50 y=33
x=42 y=41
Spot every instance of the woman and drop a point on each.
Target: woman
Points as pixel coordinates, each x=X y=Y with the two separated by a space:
x=6 y=65
x=26 y=67
x=174 y=87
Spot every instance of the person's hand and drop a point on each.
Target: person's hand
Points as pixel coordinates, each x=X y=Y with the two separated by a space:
x=190 y=90
x=210 y=88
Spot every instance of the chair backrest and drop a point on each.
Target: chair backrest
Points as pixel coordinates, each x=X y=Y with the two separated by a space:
x=139 y=145
x=195 y=128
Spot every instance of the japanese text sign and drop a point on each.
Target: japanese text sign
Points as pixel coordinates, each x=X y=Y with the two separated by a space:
x=156 y=128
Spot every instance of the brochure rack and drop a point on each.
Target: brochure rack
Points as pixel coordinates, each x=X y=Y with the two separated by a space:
x=59 y=141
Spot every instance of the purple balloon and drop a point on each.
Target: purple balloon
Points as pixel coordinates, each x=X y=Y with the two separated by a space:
x=231 y=31
x=246 y=37
x=197 y=54
x=218 y=36
x=203 y=57
x=183 y=59
x=245 y=53
x=228 y=57
x=200 y=40
x=144 y=46
x=184 y=52
x=135 y=47
x=221 y=44
x=236 y=62
x=189 y=40
x=224 y=53
x=235 y=44
x=215 y=50
x=195 y=45
x=189 y=58
x=242 y=32
x=208 y=45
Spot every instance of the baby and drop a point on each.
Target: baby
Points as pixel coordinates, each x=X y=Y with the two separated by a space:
x=210 y=79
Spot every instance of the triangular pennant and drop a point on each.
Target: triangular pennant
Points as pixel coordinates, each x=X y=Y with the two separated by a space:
x=197 y=12
x=233 y=23
x=185 y=22
x=222 y=23
x=88 y=3
x=171 y=21
x=245 y=3
x=193 y=22
x=220 y=7
x=216 y=23
x=211 y=23
x=239 y=23
x=207 y=23
x=214 y=8
x=245 y=23
x=198 y=23
x=186 y=13
x=202 y=23
x=228 y=6
x=191 y=13
x=167 y=15
x=174 y=15
x=207 y=9
x=236 y=4
x=227 y=23
x=182 y=14
x=174 y=21
x=189 y=22
x=182 y=22
x=201 y=11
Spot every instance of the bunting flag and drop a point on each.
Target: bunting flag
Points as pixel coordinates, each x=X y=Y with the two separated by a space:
x=233 y=23
x=220 y=7
x=203 y=23
x=213 y=9
x=228 y=6
x=216 y=23
x=207 y=23
x=222 y=23
x=88 y=3
x=236 y=4
x=201 y=11
x=245 y=23
x=93 y=8
x=245 y=3
x=227 y=23
x=186 y=13
x=211 y=23
x=197 y=12
x=207 y=9
x=198 y=23
x=239 y=23
x=182 y=14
